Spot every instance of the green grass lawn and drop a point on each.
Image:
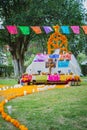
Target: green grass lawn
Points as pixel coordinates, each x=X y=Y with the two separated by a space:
x=7 y=81
x=58 y=109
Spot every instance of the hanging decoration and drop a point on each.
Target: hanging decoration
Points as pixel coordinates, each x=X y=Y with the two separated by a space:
x=75 y=29
x=12 y=29
x=84 y=29
x=47 y=29
x=25 y=30
x=65 y=29
x=57 y=41
x=36 y=29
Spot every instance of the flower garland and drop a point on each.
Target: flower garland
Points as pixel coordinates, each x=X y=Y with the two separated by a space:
x=13 y=92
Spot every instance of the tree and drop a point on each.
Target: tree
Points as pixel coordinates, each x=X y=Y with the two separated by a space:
x=31 y=13
x=81 y=57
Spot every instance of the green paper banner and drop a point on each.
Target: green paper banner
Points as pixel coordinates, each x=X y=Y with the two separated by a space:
x=25 y=30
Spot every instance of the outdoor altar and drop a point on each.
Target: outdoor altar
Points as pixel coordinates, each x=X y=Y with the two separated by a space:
x=58 y=66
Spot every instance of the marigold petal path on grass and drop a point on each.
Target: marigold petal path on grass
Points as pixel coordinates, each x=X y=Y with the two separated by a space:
x=9 y=93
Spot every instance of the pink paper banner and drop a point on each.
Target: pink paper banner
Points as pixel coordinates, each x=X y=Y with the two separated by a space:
x=12 y=29
x=75 y=29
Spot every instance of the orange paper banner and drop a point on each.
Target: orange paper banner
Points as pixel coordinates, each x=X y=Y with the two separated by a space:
x=36 y=29
x=84 y=28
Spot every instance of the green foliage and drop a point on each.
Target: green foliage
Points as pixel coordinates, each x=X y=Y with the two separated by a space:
x=29 y=60
x=55 y=12
x=84 y=69
x=9 y=58
x=81 y=57
x=6 y=71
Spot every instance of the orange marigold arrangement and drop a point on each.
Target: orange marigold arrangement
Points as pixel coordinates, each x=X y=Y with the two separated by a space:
x=14 y=93
x=57 y=41
x=72 y=77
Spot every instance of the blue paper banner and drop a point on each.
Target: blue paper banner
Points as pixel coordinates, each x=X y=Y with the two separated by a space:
x=62 y=64
x=65 y=29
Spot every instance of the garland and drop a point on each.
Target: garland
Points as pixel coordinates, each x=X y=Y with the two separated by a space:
x=14 y=92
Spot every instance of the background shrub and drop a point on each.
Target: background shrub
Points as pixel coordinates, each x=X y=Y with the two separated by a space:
x=84 y=69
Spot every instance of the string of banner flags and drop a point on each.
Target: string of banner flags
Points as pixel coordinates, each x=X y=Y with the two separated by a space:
x=12 y=29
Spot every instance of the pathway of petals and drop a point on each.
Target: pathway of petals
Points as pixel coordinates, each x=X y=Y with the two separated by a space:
x=7 y=94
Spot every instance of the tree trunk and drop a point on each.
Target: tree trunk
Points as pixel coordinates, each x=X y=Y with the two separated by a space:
x=21 y=65
x=16 y=67
x=17 y=50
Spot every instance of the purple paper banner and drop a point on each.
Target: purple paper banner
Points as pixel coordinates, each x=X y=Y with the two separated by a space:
x=47 y=29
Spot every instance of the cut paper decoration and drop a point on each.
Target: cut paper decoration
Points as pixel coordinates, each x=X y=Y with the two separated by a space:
x=36 y=29
x=1 y=26
x=40 y=57
x=54 y=56
x=47 y=29
x=75 y=29
x=85 y=29
x=25 y=30
x=65 y=29
x=66 y=56
x=12 y=29
x=62 y=64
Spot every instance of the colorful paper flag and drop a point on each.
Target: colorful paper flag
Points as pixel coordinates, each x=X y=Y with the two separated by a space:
x=36 y=29
x=47 y=29
x=62 y=64
x=84 y=28
x=75 y=29
x=65 y=29
x=1 y=26
x=12 y=29
x=25 y=30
